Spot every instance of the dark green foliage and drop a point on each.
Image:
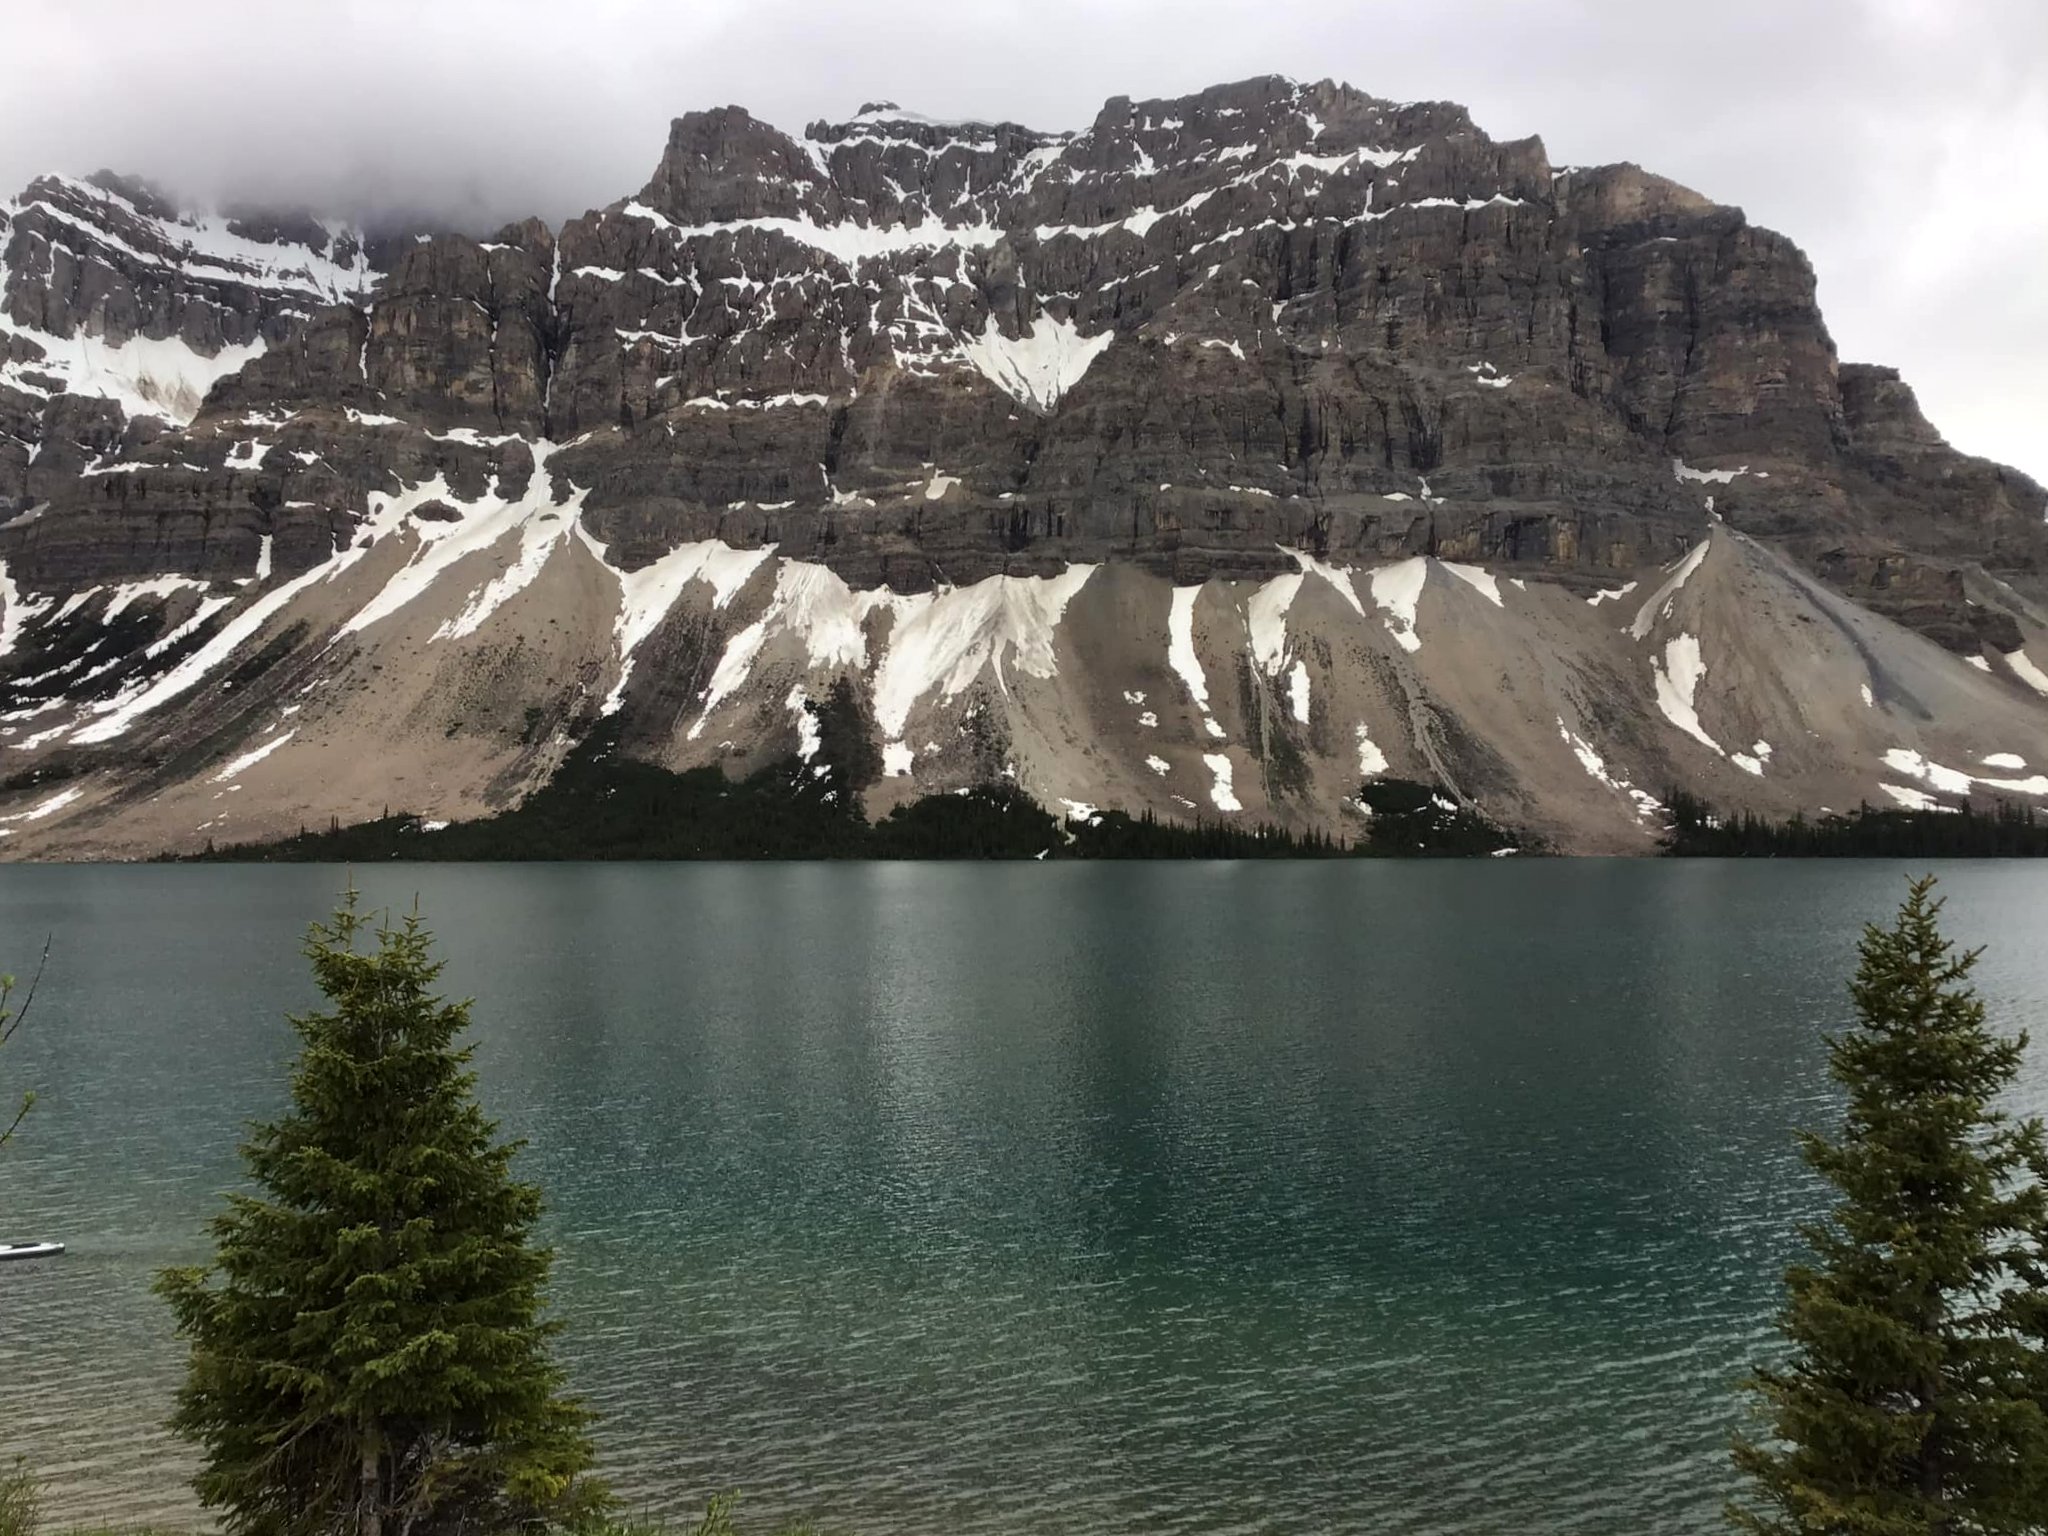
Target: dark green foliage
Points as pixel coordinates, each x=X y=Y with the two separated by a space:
x=21 y=1501
x=1000 y=822
x=2009 y=831
x=1411 y=820
x=717 y=1520
x=602 y=804
x=1914 y=1401
x=367 y=1351
x=1113 y=835
x=846 y=748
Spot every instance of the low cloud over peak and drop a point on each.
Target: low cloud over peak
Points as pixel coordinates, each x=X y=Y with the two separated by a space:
x=1901 y=142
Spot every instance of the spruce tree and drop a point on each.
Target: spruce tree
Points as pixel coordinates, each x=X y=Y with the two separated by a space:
x=1914 y=1399
x=368 y=1353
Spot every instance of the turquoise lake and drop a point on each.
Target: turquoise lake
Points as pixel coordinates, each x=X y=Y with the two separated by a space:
x=958 y=1199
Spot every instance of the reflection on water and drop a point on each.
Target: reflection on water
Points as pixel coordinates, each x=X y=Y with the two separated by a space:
x=962 y=1199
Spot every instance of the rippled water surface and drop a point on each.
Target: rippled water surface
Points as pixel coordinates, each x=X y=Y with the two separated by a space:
x=954 y=1199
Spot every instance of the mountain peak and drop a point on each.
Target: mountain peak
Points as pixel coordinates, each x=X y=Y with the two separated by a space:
x=145 y=196
x=1183 y=463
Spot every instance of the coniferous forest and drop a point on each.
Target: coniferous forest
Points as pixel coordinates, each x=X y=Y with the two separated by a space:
x=1868 y=832
x=602 y=804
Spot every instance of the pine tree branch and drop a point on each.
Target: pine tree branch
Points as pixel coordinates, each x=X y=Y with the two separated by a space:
x=11 y=1024
x=28 y=1102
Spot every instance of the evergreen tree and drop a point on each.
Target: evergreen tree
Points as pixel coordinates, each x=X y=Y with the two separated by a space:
x=1915 y=1398
x=367 y=1351
x=847 y=749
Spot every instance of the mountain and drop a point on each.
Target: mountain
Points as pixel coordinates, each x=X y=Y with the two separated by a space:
x=1207 y=461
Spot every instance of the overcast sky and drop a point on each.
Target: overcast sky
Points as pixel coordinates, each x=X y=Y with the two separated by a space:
x=1902 y=143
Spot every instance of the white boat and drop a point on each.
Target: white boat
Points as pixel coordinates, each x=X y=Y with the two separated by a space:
x=29 y=1251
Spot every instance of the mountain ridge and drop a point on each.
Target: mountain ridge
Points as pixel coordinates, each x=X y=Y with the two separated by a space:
x=780 y=416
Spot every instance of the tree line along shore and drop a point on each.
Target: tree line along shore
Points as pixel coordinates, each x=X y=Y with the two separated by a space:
x=603 y=805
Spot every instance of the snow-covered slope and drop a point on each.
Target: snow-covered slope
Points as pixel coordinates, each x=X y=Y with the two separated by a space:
x=1209 y=460
x=110 y=293
x=467 y=650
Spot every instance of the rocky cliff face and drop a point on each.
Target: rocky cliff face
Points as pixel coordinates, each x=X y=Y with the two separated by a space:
x=1207 y=397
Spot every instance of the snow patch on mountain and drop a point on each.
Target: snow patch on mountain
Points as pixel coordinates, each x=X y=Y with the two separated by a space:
x=811 y=601
x=16 y=610
x=46 y=807
x=2024 y=669
x=202 y=244
x=1038 y=367
x=943 y=640
x=1646 y=805
x=543 y=526
x=121 y=712
x=156 y=587
x=1914 y=799
x=1953 y=781
x=647 y=595
x=534 y=517
x=1266 y=618
x=1659 y=604
x=145 y=376
x=807 y=738
x=1914 y=766
x=846 y=242
x=1338 y=577
x=1752 y=761
x=1396 y=590
x=1297 y=691
x=1481 y=581
x=1677 y=676
x=251 y=758
x=201 y=617
x=1371 y=760
x=1180 y=653
x=1221 y=795
x=1684 y=473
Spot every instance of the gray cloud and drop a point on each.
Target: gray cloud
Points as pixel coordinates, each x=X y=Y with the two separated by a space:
x=1903 y=143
